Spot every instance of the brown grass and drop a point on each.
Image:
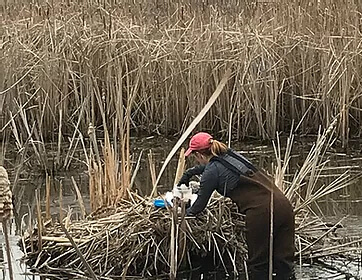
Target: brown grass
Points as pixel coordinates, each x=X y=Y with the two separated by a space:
x=160 y=60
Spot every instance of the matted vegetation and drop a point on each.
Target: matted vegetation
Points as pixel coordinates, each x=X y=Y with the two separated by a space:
x=136 y=239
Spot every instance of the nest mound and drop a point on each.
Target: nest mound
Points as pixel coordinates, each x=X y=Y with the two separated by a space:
x=137 y=239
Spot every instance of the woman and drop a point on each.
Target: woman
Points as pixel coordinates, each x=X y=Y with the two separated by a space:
x=232 y=175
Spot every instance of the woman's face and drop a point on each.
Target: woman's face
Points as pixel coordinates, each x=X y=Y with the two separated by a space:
x=200 y=158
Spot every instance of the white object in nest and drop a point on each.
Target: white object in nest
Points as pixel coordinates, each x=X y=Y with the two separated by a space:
x=183 y=192
x=185 y=196
x=169 y=198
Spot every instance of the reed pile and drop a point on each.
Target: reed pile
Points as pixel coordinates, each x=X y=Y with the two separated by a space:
x=137 y=239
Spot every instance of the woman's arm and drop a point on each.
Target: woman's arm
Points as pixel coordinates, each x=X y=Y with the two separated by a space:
x=209 y=182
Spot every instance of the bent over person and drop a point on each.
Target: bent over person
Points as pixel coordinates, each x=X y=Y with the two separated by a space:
x=234 y=176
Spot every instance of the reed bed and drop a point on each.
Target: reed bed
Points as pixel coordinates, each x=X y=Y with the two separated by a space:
x=66 y=64
x=108 y=68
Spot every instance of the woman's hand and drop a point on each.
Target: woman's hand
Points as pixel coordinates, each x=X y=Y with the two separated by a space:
x=186 y=177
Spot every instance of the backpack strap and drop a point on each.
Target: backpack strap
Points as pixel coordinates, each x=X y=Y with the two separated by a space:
x=248 y=173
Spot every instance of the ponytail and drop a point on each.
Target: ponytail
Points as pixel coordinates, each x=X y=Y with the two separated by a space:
x=218 y=148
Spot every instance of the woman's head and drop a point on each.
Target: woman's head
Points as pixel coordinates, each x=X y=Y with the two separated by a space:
x=203 y=146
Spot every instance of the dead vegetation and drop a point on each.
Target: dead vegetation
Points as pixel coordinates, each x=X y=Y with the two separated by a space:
x=72 y=72
x=66 y=64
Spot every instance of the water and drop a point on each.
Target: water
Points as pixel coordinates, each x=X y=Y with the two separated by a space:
x=20 y=270
x=334 y=206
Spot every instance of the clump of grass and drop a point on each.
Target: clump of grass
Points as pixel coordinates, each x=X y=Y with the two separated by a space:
x=306 y=188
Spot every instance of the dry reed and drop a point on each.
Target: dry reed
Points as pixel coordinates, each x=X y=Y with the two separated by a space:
x=151 y=65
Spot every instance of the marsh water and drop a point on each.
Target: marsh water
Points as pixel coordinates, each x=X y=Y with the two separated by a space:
x=27 y=175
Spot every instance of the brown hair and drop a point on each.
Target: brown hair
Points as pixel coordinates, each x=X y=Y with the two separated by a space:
x=217 y=149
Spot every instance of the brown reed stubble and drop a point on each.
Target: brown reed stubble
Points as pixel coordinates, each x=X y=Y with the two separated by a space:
x=293 y=62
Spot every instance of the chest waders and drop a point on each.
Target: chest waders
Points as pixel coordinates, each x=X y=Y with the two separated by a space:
x=253 y=197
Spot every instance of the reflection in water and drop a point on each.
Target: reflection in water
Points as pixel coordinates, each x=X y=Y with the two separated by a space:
x=21 y=272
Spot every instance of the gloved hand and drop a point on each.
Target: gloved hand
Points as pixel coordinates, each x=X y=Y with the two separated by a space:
x=185 y=179
x=189 y=213
x=195 y=186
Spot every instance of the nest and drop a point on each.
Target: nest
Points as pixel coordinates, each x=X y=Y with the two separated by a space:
x=137 y=239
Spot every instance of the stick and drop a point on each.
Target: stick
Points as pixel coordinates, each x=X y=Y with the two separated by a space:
x=7 y=243
x=199 y=117
x=61 y=202
x=136 y=170
x=80 y=199
x=172 y=250
x=59 y=136
x=39 y=220
x=47 y=187
x=180 y=166
x=80 y=255
x=271 y=235
x=153 y=172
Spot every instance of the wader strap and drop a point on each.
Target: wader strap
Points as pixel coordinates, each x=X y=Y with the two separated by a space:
x=241 y=158
x=251 y=176
x=237 y=163
x=234 y=168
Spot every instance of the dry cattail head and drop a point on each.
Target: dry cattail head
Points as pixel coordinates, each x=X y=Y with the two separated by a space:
x=6 y=205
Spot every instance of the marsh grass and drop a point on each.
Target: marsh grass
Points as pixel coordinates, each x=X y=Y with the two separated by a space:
x=158 y=62
x=306 y=187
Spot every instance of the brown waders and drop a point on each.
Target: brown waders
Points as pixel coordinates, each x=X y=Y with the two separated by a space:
x=253 y=198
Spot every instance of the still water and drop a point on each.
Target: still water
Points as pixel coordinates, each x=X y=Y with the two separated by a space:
x=26 y=179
